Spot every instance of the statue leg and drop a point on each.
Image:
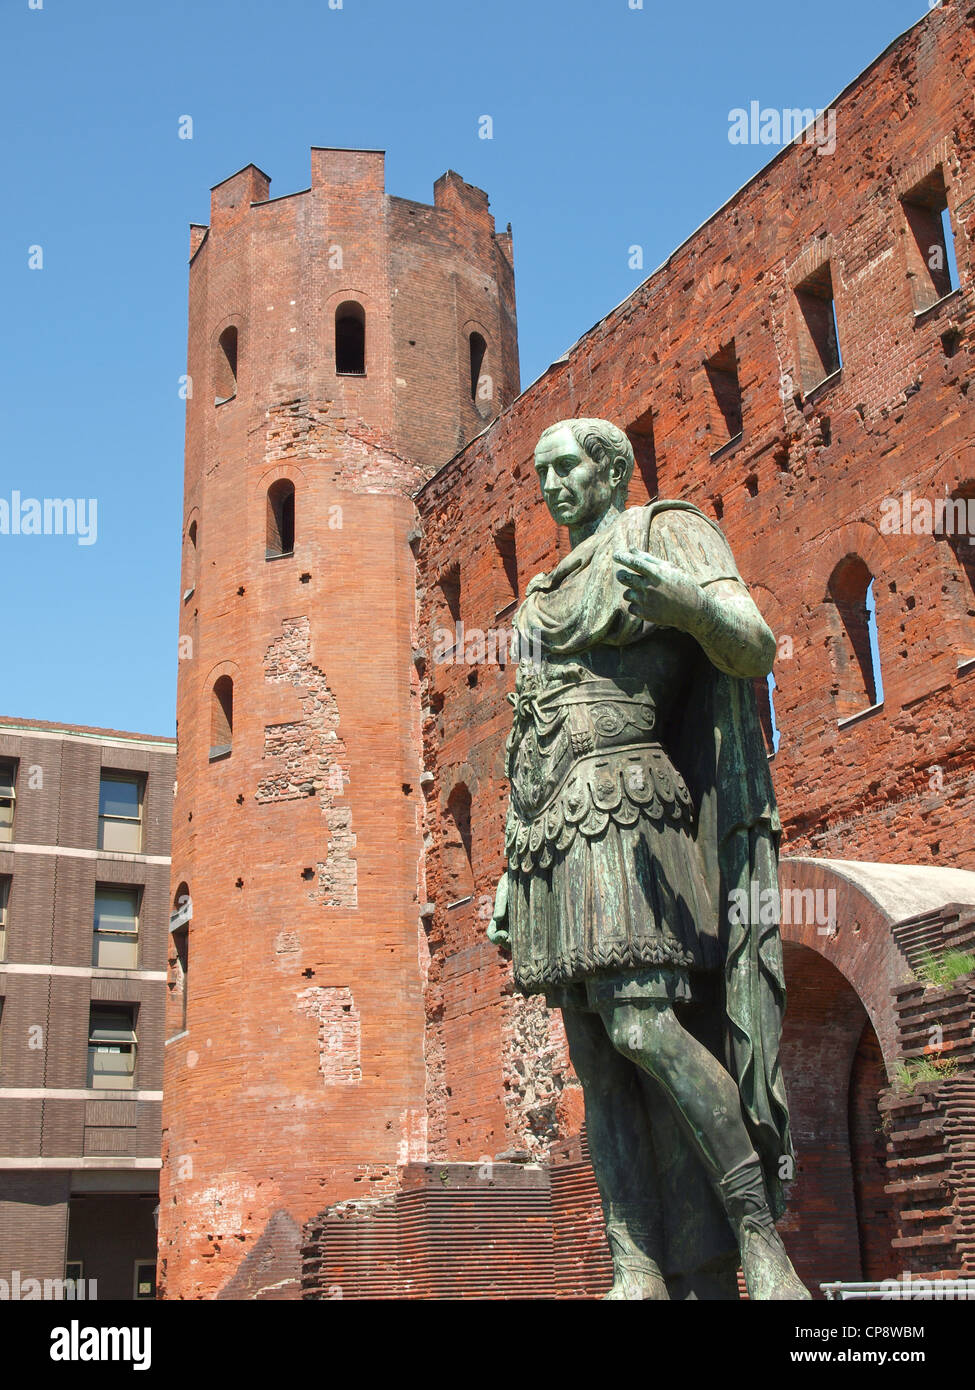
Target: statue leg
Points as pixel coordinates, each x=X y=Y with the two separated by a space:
x=621 y=1149
x=706 y=1102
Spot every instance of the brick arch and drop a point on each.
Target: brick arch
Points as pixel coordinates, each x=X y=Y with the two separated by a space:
x=222 y=668
x=360 y=297
x=856 y=538
x=862 y=948
x=292 y=471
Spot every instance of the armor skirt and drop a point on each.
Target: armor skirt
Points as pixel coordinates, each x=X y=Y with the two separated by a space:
x=607 y=885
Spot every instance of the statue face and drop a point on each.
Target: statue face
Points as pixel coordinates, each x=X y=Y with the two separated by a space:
x=576 y=488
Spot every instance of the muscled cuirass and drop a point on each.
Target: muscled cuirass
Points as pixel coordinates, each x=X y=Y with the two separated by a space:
x=588 y=744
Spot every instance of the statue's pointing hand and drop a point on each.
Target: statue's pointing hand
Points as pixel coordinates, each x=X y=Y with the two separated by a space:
x=657 y=591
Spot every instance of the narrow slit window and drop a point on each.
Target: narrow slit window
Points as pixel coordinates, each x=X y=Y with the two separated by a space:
x=179 y=958
x=225 y=383
x=819 y=341
x=350 y=339
x=508 y=555
x=222 y=717
x=765 y=699
x=726 y=418
x=858 y=684
x=931 y=264
x=112 y=1047
x=116 y=928
x=640 y=434
x=478 y=347
x=280 y=519
x=457 y=833
x=8 y=799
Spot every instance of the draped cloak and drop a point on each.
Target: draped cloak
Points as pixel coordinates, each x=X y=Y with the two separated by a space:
x=716 y=744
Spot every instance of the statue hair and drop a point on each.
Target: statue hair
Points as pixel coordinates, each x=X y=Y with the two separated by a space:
x=604 y=442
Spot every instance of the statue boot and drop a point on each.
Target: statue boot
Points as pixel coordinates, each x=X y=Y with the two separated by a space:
x=632 y=1229
x=768 y=1271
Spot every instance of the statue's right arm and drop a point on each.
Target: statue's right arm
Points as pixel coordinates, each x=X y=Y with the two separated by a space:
x=498 y=926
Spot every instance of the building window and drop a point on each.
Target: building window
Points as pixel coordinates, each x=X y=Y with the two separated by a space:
x=112 y=1047
x=116 y=943
x=818 y=338
x=8 y=797
x=931 y=264
x=508 y=554
x=144 y=1280
x=457 y=845
x=350 y=339
x=120 y=813
x=280 y=519
x=477 y=347
x=4 y=899
x=222 y=717
x=726 y=418
x=640 y=435
x=225 y=375
x=855 y=648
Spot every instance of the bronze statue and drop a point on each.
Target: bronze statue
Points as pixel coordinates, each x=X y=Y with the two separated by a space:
x=641 y=815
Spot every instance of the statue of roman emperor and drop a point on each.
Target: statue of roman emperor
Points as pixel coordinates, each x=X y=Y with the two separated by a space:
x=641 y=818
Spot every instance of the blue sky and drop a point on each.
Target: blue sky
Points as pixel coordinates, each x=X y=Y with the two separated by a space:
x=610 y=129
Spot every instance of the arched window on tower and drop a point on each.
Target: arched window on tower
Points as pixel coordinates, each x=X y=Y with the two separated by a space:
x=221 y=717
x=280 y=518
x=855 y=651
x=478 y=347
x=225 y=373
x=350 y=339
x=459 y=873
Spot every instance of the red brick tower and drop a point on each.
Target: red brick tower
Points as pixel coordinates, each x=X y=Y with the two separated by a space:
x=343 y=344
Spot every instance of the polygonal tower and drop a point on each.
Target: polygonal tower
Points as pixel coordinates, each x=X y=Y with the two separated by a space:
x=343 y=344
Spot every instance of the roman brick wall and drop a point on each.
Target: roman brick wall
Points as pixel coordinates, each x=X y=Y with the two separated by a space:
x=298 y=1077
x=801 y=490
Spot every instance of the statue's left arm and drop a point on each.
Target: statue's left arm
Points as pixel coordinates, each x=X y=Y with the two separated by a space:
x=720 y=613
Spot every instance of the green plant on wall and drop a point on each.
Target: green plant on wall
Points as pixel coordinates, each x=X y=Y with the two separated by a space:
x=944 y=970
x=908 y=1075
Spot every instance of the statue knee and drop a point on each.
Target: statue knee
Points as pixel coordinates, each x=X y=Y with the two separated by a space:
x=645 y=1034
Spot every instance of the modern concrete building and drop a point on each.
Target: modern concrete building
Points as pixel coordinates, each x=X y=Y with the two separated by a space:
x=85 y=826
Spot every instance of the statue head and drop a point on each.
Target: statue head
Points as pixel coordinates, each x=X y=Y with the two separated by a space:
x=584 y=467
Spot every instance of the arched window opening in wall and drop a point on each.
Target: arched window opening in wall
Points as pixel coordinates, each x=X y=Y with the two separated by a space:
x=225 y=375
x=855 y=647
x=280 y=518
x=458 y=866
x=350 y=339
x=179 y=957
x=507 y=553
x=765 y=699
x=477 y=347
x=221 y=717
x=644 y=480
